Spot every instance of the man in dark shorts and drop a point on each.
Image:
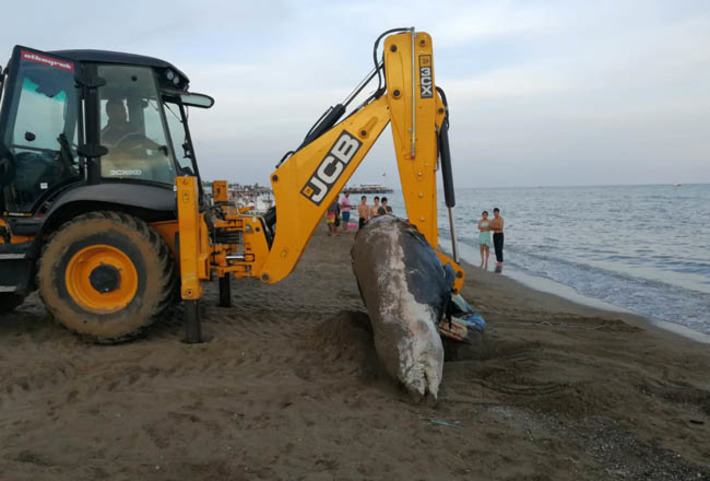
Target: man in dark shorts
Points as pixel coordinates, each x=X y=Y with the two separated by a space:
x=363 y=211
x=496 y=226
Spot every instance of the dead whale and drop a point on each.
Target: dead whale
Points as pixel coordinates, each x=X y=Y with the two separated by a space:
x=406 y=291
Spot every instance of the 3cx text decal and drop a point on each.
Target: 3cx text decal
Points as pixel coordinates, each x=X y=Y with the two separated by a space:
x=426 y=82
x=125 y=172
x=47 y=61
x=331 y=168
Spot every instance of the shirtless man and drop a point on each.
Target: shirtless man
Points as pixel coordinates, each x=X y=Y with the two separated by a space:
x=363 y=211
x=496 y=225
x=374 y=208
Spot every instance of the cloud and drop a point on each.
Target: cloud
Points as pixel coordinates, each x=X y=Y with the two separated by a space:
x=544 y=92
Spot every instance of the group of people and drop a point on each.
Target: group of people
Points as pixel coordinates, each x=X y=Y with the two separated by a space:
x=486 y=228
x=490 y=230
x=367 y=212
x=340 y=209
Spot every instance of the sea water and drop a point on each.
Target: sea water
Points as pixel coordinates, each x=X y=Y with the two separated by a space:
x=645 y=249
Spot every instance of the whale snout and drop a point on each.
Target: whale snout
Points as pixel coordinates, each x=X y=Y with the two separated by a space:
x=421 y=362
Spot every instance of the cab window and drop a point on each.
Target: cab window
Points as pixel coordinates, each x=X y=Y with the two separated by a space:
x=178 y=134
x=133 y=127
x=41 y=135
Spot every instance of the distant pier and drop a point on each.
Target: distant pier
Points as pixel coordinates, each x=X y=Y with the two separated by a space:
x=367 y=189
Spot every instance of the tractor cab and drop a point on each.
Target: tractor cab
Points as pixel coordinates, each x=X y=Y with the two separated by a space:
x=78 y=118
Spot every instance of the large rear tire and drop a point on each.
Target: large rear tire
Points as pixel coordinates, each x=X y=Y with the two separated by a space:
x=107 y=276
x=9 y=301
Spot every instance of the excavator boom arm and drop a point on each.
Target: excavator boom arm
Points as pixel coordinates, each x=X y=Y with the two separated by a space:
x=308 y=182
x=239 y=244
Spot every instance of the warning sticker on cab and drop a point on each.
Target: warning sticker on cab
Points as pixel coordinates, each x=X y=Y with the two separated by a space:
x=47 y=61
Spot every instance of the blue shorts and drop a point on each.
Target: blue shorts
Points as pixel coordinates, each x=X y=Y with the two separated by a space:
x=346 y=216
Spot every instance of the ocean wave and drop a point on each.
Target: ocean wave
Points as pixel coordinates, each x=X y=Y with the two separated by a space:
x=611 y=243
x=648 y=297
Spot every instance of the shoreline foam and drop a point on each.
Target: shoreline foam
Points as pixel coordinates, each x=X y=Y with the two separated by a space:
x=550 y=286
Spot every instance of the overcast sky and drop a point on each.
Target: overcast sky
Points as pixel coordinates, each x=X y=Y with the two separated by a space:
x=540 y=92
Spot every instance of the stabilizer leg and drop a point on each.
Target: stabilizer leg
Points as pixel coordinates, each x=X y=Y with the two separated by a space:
x=191 y=255
x=225 y=291
x=193 y=323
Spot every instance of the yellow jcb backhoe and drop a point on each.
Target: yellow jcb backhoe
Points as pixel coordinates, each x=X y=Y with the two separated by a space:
x=101 y=200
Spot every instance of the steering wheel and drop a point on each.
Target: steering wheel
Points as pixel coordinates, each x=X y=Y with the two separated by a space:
x=135 y=141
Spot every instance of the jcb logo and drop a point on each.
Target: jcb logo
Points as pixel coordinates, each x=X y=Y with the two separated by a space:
x=426 y=80
x=331 y=168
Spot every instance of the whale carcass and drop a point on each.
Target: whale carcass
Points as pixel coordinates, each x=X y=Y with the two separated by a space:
x=406 y=291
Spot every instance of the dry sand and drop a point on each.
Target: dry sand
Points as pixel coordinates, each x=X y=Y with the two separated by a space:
x=290 y=388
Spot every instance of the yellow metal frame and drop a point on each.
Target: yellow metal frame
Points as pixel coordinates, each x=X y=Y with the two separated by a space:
x=169 y=231
x=220 y=191
x=298 y=216
x=193 y=237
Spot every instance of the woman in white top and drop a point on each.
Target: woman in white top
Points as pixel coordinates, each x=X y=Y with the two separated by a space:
x=484 y=239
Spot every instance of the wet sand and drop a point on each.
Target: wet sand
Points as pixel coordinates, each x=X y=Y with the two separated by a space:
x=290 y=388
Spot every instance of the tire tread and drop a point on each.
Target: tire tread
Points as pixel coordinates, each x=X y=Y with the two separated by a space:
x=158 y=246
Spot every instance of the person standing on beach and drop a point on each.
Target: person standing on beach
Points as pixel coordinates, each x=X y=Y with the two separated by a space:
x=374 y=208
x=330 y=217
x=345 y=207
x=388 y=209
x=496 y=225
x=484 y=239
x=363 y=212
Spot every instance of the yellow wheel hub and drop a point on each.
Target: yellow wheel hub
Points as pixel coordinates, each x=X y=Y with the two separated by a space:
x=101 y=279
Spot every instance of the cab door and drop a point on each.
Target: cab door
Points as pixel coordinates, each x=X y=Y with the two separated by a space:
x=39 y=129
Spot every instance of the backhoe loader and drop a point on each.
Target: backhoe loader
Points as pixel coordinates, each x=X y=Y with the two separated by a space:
x=102 y=207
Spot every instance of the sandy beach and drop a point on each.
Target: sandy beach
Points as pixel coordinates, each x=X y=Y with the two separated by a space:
x=290 y=388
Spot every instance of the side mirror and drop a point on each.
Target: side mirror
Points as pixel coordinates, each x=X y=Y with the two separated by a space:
x=197 y=100
x=191 y=99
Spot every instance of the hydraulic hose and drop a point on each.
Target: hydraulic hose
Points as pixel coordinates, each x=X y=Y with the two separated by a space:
x=380 y=83
x=445 y=155
x=329 y=119
x=447 y=174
